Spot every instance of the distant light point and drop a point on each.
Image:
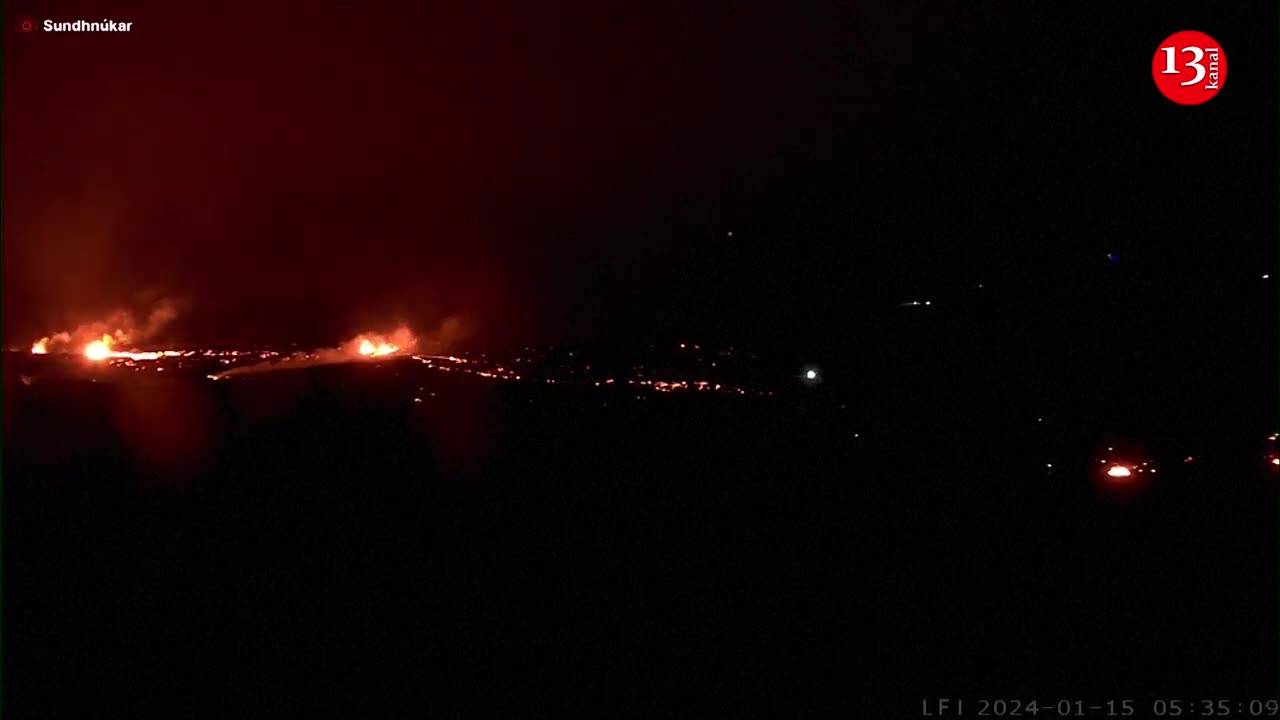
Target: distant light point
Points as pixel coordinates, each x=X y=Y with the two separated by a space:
x=811 y=374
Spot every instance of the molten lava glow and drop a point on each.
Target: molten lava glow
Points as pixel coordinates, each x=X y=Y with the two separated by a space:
x=1275 y=461
x=1118 y=471
x=40 y=347
x=99 y=349
x=369 y=349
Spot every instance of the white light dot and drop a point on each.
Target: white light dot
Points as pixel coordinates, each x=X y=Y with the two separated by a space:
x=811 y=374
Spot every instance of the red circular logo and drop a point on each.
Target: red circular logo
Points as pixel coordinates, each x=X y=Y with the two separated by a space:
x=27 y=25
x=1189 y=67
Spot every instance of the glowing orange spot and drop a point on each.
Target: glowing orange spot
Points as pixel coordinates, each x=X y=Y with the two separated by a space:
x=99 y=349
x=40 y=347
x=366 y=347
x=1275 y=461
x=1118 y=471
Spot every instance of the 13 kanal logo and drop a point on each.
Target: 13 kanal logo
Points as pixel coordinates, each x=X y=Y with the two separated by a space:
x=1189 y=67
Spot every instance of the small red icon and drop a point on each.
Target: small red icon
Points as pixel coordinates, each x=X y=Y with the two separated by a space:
x=27 y=25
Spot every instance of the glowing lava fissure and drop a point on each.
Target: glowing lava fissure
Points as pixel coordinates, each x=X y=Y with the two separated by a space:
x=99 y=349
x=370 y=349
x=361 y=347
x=100 y=338
x=372 y=344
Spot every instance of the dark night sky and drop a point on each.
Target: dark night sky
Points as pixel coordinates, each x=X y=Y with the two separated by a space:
x=552 y=170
